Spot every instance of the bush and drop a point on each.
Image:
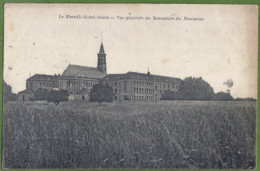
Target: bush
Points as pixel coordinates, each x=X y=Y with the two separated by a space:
x=221 y=96
x=57 y=96
x=51 y=95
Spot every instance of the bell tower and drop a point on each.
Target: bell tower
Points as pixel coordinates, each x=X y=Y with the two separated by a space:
x=101 y=65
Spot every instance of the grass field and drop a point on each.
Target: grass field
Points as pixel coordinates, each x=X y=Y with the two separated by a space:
x=165 y=134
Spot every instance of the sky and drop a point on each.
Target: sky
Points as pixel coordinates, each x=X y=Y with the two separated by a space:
x=222 y=45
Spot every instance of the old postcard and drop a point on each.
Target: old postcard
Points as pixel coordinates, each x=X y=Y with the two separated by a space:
x=130 y=86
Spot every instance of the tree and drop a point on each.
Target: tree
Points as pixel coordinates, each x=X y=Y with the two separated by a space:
x=57 y=96
x=171 y=95
x=8 y=95
x=196 y=89
x=221 y=96
x=101 y=93
x=40 y=94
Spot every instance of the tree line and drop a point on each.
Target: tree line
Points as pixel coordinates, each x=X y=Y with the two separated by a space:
x=196 y=89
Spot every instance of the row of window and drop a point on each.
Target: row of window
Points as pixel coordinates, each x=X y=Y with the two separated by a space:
x=45 y=84
x=83 y=84
x=143 y=97
x=138 y=98
x=142 y=90
x=141 y=83
x=168 y=86
x=151 y=84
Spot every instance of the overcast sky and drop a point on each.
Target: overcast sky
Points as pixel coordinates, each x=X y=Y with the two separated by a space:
x=222 y=46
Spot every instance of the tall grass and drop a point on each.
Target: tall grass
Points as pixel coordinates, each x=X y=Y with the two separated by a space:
x=177 y=134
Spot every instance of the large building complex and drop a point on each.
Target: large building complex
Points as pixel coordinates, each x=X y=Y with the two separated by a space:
x=138 y=86
x=78 y=80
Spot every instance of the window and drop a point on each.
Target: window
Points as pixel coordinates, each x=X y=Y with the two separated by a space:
x=31 y=85
x=155 y=87
x=115 y=97
x=115 y=83
x=125 y=86
x=115 y=91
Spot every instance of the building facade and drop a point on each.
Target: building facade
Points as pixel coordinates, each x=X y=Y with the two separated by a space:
x=78 y=81
x=138 y=86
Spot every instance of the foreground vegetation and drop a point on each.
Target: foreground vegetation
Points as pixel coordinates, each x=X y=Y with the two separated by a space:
x=172 y=134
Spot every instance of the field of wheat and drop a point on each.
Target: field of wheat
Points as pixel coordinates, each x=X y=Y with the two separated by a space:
x=165 y=134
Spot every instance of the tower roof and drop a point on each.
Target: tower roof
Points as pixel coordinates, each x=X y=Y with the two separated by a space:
x=101 y=50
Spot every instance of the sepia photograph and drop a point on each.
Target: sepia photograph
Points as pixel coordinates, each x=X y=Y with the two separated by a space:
x=129 y=86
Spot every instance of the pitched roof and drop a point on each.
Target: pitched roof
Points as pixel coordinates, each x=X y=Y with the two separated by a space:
x=43 y=77
x=114 y=77
x=83 y=71
x=142 y=76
